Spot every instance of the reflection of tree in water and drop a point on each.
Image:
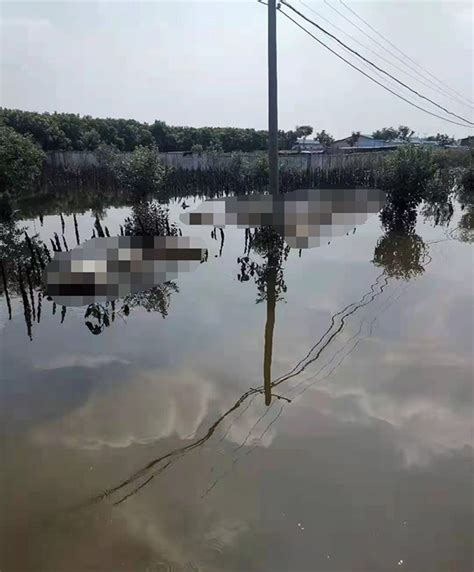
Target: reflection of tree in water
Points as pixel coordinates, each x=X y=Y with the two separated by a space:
x=438 y=198
x=270 y=246
x=53 y=201
x=19 y=251
x=438 y=209
x=148 y=218
x=402 y=255
x=22 y=259
x=440 y=213
x=400 y=251
x=465 y=230
x=157 y=299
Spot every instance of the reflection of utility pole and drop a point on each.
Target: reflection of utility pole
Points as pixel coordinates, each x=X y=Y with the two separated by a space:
x=269 y=327
x=272 y=99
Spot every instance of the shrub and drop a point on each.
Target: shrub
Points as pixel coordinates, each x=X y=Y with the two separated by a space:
x=449 y=158
x=199 y=149
x=466 y=190
x=6 y=210
x=260 y=168
x=21 y=161
x=405 y=175
x=140 y=170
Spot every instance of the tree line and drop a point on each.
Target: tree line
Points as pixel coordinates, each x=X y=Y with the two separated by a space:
x=404 y=133
x=71 y=132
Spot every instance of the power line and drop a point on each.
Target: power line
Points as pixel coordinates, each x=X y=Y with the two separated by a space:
x=379 y=75
x=398 y=49
x=385 y=48
x=389 y=51
x=370 y=77
x=429 y=85
x=355 y=52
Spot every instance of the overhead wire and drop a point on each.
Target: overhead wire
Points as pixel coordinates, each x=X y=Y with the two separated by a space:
x=369 y=76
x=429 y=85
x=397 y=48
x=366 y=60
x=403 y=61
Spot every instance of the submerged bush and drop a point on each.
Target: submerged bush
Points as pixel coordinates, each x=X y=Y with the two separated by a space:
x=199 y=149
x=21 y=160
x=452 y=158
x=405 y=175
x=140 y=170
x=466 y=191
x=6 y=209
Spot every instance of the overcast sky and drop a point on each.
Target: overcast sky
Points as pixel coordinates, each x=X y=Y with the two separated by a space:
x=204 y=63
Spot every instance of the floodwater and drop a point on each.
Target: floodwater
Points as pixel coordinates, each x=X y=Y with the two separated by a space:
x=146 y=443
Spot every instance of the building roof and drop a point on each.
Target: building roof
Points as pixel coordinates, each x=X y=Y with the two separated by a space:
x=304 y=141
x=349 y=136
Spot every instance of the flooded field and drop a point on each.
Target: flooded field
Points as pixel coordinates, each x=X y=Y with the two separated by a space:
x=273 y=409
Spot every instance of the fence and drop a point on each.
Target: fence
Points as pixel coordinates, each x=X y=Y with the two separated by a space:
x=77 y=160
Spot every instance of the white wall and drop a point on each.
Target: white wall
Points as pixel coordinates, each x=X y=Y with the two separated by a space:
x=73 y=160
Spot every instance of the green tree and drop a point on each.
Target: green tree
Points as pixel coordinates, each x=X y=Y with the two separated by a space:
x=139 y=171
x=444 y=139
x=405 y=175
x=324 y=138
x=70 y=131
x=90 y=140
x=215 y=147
x=386 y=134
x=404 y=133
x=21 y=161
x=197 y=148
x=303 y=130
x=354 y=138
x=43 y=127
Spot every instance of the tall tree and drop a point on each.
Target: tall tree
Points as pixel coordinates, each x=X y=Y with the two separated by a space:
x=404 y=133
x=303 y=130
x=354 y=138
x=324 y=138
x=386 y=134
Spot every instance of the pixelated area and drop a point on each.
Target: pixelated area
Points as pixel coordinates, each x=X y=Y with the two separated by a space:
x=105 y=269
x=305 y=218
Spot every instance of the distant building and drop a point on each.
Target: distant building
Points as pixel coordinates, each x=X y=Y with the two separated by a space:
x=368 y=143
x=308 y=145
x=417 y=141
x=358 y=142
x=467 y=141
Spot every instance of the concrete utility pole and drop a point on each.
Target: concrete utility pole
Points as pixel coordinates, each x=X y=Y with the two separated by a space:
x=272 y=99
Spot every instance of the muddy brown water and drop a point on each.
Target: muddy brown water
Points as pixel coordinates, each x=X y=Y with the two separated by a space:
x=149 y=446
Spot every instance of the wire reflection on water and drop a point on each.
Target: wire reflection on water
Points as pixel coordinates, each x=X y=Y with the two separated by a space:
x=176 y=454
x=143 y=477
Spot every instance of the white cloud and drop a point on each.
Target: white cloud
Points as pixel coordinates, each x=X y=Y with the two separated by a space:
x=149 y=406
x=80 y=360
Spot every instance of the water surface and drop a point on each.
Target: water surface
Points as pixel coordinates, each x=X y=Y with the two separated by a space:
x=149 y=445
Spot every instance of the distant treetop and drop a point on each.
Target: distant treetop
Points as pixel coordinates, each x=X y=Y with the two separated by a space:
x=70 y=131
